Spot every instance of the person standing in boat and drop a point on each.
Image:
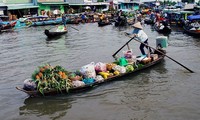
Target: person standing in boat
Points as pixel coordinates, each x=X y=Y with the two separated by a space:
x=56 y=12
x=102 y=18
x=64 y=20
x=140 y=35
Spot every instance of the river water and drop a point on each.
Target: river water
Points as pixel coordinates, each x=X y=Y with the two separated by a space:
x=167 y=91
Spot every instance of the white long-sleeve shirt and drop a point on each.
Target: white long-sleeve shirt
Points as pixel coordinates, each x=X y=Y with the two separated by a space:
x=141 y=35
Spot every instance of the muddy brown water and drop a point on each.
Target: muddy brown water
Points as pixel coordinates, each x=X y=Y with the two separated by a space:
x=167 y=91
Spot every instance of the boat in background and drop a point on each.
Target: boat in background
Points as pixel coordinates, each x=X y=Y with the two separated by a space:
x=192 y=27
x=42 y=21
x=5 y=24
x=163 y=27
x=192 y=31
x=102 y=23
x=55 y=32
x=7 y=27
x=121 y=21
x=150 y=19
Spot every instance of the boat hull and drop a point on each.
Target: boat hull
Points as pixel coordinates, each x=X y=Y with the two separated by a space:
x=195 y=33
x=101 y=24
x=149 y=21
x=165 y=30
x=50 y=34
x=7 y=27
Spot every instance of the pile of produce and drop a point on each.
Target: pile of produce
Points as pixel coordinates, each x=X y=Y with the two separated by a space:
x=48 y=77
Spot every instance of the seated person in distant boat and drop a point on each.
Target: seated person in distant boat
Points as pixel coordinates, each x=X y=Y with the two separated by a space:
x=8 y=24
x=83 y=18
x=152 y=16
x=102 y=17
x=56 y=12
x=195 y=24
x=107 y=20
x=158 y=19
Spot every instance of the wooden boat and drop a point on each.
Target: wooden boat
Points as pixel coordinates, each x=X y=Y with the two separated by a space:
x=101 y=24
x=193 y=32
x=56 y=32
x=42 y=21
x=7 y=27
x=148 y=21
x=35 y=93
x=72 y=22
x=117 y=24
x=121 y=21
x=192 y=28
x=162 y=28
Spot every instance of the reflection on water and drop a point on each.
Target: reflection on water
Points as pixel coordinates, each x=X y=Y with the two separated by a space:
x=55 y=108
x=56 y=38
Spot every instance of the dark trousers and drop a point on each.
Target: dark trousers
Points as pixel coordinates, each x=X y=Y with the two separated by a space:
x=142 y=47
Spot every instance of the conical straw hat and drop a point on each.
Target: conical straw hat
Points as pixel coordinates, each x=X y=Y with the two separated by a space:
x=137 y=25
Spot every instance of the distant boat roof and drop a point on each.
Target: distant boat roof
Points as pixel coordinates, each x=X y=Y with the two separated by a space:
x=189 y=6
x=39 y=17
x=126 y=10
x=194 y=17
x=3 y=16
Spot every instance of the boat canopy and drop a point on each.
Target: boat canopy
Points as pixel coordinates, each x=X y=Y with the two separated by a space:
x=194 y=17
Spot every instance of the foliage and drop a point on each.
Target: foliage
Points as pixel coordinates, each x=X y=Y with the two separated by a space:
x=168 y=2
x=47 y=78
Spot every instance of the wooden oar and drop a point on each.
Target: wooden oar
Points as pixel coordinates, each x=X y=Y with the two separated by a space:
x=74 y=28
x=164 y=55
x=122 y=46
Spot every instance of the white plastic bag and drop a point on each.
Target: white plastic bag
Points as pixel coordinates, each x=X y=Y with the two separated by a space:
x=29 y=84
x=99 y=78
x=77 y=83
x=88 y=70
x=121 y=69
x=161 y=27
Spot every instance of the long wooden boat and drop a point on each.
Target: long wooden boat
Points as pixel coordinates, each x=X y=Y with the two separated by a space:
x=117 y=24
x=42 y=21
x=165 y=29
x=74 y=21
x=50 y=34
x=101 y=24
x=121 y=21
x=193 y=30
x=7 y=27
x=148 y=21
x=188 y=31
x=54 y=33
x=35 y=93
